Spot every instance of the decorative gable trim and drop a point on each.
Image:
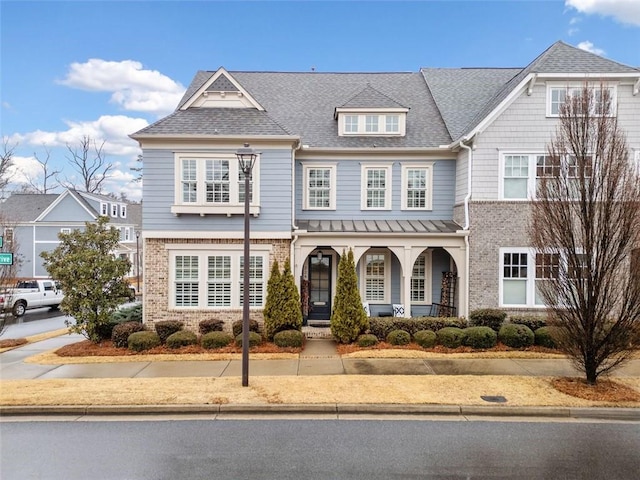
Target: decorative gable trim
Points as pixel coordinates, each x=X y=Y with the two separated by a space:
x=221 y=91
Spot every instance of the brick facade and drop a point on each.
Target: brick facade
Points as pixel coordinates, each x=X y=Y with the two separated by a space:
x=156 y=295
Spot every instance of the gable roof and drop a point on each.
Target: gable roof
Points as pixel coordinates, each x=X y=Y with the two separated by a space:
x=560 y=59
x=369 y=97
x=26 y=207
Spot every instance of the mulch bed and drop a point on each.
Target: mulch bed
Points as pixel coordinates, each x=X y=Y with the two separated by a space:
x=12 y=342
x=602 y=391
x=87 y=348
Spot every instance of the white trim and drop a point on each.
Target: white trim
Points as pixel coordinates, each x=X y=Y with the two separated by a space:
x=123 y=211
x=530 y=280
x=259 y=247
x=221 y=71
x=202 y=280
x=364 y=168
x=428 y=278
x=429 y=185
x=208 y=234
x=59 y=199
x=363 y=113
x=104 y=209
x=332 y=167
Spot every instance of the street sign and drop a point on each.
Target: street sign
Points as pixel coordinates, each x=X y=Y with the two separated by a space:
x=6 y=258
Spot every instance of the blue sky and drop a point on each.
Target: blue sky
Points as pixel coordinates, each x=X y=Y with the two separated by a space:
x=108 y=68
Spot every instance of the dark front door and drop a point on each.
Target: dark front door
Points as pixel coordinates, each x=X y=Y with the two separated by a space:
x=320 y=288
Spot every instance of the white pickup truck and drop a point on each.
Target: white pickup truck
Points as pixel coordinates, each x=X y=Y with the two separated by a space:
x=29 y=294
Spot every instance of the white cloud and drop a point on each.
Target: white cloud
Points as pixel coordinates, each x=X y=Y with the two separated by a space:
x=24 y=168
x=132 y=87
x=624 y=11
x=112 y=129
x=590 y=47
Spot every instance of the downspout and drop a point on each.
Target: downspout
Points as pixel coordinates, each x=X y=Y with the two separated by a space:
x=294 y=227
x=467 y=224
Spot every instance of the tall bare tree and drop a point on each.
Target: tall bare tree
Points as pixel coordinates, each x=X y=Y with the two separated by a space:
x=87 y=158
x=8 y=273
x=47 y=182
x=6 y=162
x=585 y=225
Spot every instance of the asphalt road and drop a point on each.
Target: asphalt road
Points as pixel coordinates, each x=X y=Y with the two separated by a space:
x=317 y=449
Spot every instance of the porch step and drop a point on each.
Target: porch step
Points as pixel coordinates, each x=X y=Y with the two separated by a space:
x=317 y=332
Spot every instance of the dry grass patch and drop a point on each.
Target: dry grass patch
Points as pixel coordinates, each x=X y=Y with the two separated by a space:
x=11 y=343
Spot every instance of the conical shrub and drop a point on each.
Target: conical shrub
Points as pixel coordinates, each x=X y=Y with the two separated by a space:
x=348 y=319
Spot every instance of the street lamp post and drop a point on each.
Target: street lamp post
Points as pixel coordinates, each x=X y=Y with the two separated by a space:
x=246 y=159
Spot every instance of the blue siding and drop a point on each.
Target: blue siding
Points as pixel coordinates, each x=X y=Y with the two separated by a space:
x=348 y=194
x=68 y=208
x=275 y=196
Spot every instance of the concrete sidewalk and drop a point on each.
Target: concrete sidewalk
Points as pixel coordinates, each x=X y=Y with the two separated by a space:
x=318 y=358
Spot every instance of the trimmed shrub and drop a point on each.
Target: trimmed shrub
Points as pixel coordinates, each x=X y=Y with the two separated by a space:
x=182 y=338
x=216 y=340
x=120 y=316
x=479 y=337
x=531 y=321
x=285 y=314
x=516 y=336
x=165 y=328
x=236 y=327
x=399 y=337
x=140 y=341
x=450 y=337
x=255 y=339
x=367 y=340
x=544 y=338
x=382 y=326
x=289 y=338
x=121 y=332
x=425 y=338
x=348 y=318
x=487 y=317
x=210 y=325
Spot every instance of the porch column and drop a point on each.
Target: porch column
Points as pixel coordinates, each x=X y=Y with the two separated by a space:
x=459 y=255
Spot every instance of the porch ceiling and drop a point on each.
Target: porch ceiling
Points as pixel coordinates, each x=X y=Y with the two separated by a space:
x=379 y=226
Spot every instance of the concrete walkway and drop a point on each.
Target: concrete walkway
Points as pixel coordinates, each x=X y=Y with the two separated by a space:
x=318 y=358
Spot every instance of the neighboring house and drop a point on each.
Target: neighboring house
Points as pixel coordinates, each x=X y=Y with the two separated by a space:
x=415 y=172
x=36 y=220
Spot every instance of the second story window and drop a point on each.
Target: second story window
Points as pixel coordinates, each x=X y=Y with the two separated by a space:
x=417 y=185
x=213 y=184
x=372 y=123
x=376 y=187
x=114 y=209
x=123 y=211
x=104 y=209
x=558 y=94
x=319 y=187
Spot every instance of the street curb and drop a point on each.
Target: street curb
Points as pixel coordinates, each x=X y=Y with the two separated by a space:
x=628 y=414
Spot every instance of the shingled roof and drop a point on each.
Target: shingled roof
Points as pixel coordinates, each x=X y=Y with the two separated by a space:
x=26 y=207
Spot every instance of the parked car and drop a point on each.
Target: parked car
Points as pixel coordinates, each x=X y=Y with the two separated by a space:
x=28 y=294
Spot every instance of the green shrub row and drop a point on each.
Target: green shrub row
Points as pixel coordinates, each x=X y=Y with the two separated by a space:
x=382 y=326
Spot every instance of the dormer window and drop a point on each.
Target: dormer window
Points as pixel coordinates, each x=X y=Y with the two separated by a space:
x=374 y=123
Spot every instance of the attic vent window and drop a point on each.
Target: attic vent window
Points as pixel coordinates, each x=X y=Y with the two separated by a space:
x=371 y=123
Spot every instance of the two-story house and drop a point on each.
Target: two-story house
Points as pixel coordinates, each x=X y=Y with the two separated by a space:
x=33 y=222
x=416 y=172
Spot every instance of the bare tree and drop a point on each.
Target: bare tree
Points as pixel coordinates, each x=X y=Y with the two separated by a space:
x=6 y=162
x=47 y=175
x=584 y=227
x=88 y=159
x=138 y=170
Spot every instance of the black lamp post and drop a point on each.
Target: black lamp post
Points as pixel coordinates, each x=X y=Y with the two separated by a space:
x=138 y=260
x=246 y=160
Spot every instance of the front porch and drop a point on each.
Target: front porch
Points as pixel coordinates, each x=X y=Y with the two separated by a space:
x=404 y=268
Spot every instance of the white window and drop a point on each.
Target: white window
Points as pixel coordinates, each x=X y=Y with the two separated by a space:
x=65 y=230
x=421 y=279
x=104 y=209
x=523 y=271
x=214 y=184
x=417 y=183
x=376 y=187
x=8 y=236
x=123 y=211
x=319 y=187
x=114 y=209
x=557 y=94
x=214 y=279
x=127 y=234
x=372 y=123
x=516 y=176
x=376 y=277
x=351 y=123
